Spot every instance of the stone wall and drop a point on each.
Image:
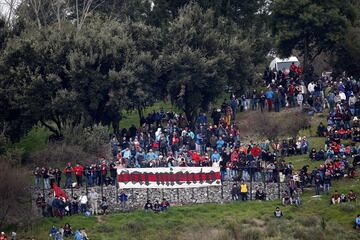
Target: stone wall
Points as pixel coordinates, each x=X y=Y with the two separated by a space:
x=179 y=196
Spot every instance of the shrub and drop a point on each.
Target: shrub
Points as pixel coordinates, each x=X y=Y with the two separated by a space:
x=105 y=229
x=15 y=199
x=348 y=207
x=275 y=125
x=93 y=140
x=13 y=156
x=59 y=154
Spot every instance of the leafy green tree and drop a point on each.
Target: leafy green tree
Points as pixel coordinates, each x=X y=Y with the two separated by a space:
x=33 y=75
x=310 y=27
x=194 y=63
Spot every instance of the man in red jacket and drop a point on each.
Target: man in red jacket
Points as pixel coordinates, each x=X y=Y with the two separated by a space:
x=79 y=171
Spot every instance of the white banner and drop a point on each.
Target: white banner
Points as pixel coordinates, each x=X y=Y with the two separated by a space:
x=171 y=177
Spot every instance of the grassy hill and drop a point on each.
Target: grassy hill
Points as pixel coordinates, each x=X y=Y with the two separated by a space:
x=315 y=219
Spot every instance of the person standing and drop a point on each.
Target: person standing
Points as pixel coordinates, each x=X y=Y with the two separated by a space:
x=93 y=198
x=79 y=171
x=262 y=101
x=243 y=190
x=83 y=202
x=269 y=98
x=68 y=174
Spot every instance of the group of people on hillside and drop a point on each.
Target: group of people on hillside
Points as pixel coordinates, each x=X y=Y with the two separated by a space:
x=156 y=207
x=166 y=140
x=59 y=206
x=67 y=232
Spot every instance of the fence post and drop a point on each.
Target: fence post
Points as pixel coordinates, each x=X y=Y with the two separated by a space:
x=102 y=186
x=278 y=180
x=222 y=192
x=207 y=193
x=177 y=193
x=264 y=181
x=251 y=179
x=116 y=189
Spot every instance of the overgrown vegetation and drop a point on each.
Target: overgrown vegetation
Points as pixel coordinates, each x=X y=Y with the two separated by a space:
x=288 y=123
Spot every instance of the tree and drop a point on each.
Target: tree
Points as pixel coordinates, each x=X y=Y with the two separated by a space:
x=34 y=79
x=144 y=88
x=310 y=27
x=194 y=63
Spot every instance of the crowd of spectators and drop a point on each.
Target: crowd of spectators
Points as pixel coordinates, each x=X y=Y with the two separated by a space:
x=167 y=140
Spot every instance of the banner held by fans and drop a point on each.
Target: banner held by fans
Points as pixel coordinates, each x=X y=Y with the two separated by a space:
x=171 y=177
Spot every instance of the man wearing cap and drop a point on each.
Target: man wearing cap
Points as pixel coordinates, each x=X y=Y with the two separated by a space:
x=3 y=236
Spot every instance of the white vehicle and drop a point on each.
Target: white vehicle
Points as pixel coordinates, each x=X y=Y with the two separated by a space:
x=283 y=64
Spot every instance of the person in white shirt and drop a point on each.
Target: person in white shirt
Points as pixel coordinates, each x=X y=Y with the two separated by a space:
x=311 y=87
x=342 y=95
x=300 y=99
x=83 y=202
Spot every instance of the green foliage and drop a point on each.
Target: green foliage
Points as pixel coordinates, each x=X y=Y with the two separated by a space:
x=310 y=27
x=194 y=63
x=93 y=140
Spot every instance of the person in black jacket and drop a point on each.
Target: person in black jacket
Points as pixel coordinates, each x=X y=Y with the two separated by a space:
x=235 y=192
x=148 y=206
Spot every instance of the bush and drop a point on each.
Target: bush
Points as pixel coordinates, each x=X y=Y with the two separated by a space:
x=80 y=144
x=93 y=140
x=59 y=154
x=15 y=199
x=348 y=207
x=13 y=156
x=274 y=125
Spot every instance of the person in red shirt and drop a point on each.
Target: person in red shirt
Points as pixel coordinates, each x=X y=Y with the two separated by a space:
x=103 y=171
x=3 y=236
x=291 y=95
x=195 y=157
x=79 y=171
x=293 y=68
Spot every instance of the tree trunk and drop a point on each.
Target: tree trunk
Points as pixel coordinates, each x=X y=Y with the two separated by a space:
x=52 y=129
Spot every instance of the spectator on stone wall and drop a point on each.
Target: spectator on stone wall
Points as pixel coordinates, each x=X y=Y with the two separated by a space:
x=93 y=199
x=244 y=191
x=104 y=205
x=83 y=202
x=235 y=192
x=148 y=206
x=165 y=205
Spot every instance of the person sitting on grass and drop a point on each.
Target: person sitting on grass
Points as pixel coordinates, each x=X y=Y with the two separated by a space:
x=260 y=195
x=156 y=207
x=357 y=222
x=278 y=213
x=335 y=198
x=67 y=230
x=81 y=234
x=321 y=130
x=148 y=206
x=343 y=198
x=286 y=200
x=351 y=196
x=296 y=198
x=165 y=205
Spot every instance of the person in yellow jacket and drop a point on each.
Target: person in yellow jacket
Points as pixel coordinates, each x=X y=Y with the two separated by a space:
x=243 y=190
